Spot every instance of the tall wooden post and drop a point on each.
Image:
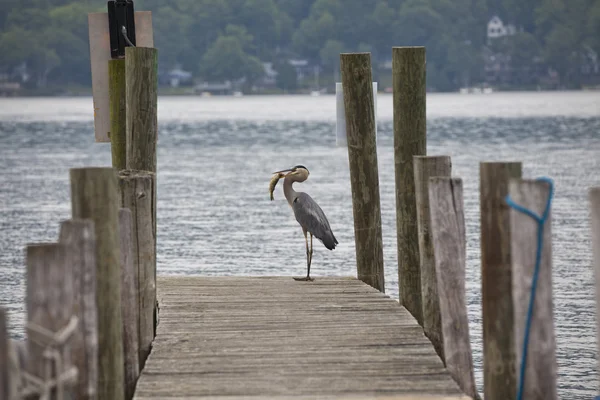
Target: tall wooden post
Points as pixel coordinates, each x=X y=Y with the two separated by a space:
x=449 y=245
x=541 y=368
x=49 y=310
x=409 y=83
x=594 y=197
x=136 y=189
x=94 y=195
x=426 y=167
x=364 y=176
x=79 y=239
x=117 y=112
x=142 y=120
x=499 y=368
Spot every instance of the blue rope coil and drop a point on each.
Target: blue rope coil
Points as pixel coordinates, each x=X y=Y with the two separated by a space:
x=541 y=220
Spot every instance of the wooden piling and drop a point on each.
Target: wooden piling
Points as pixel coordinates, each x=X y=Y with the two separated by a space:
x=17 y=364
x=78 y=237
x=409 y=82
x=94 y=195
x=136 y=189
x=7 y=385
x=141 y=100
x=142 y=119
x=49 y=304
x=541 y=368
x=449 y=245
x=129 y=304
x=426 y=167
x=594 y=198
x=117 y=112
x=364 y=177
x=499 y=373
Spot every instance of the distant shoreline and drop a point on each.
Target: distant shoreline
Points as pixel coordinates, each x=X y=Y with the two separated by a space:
x=164 y=92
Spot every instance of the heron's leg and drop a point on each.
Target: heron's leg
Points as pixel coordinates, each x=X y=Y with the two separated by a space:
x=308 y=258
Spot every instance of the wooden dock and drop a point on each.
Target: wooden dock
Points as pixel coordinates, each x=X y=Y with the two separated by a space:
x=92 y=294
x=274 y=337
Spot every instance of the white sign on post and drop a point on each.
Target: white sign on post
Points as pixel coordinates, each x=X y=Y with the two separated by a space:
x=99 y=57
x=340 y=126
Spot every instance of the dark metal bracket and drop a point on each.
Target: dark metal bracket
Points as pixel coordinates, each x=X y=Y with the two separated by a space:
x=121 y=26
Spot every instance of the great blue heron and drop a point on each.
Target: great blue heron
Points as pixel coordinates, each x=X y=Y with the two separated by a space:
x=309 y=215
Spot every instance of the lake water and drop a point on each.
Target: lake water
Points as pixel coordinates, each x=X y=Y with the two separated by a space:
x=215 y=160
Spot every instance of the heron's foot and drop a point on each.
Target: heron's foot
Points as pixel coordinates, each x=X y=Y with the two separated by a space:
x=304 y=279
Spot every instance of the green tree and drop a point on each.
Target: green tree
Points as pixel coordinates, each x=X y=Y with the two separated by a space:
x=260 y=19
x=330 y=53
x=312 y=34
x=172 y=41
x=226 y=60
x=208 y=19
x=382 y=23
x=297 y=10
x=593 y=26
x=287 y=78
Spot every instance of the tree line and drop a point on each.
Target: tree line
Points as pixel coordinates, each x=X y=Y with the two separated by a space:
x=229 y=39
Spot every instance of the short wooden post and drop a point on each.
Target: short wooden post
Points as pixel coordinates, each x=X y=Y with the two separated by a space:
x=7 y=384
x=49 y=304
x=17 y=365
x=364 y=176
x=449 y=246
x=79 y=239
x=426 y=167
x=117 y=112
x=594 y=196
x=409 y=82
x=541 y=368
x=129 y=304
x=141 y=102
x=94 y=195
x=499 y=373
x=136 y=189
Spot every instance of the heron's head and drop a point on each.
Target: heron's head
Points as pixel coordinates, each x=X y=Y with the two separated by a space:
x=299 y=173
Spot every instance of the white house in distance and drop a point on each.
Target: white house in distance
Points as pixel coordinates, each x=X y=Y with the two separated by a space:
x=496 y=28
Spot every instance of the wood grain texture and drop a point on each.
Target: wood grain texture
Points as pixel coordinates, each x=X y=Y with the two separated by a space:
x=78 y=237
x=142 y=116
x=17 y=350
x=49 y=304
x=541 y=368
x=409 y=82
x=364 y=176
x=499 y=373
x=129 y=303
x=594 y=199
x=94 y=195
x=136 y=189
x=141 y=99
x=449 y=245
x=362 y=396
x=7 y=385
x=426 y=167
x=273 y=336
x=117 y=113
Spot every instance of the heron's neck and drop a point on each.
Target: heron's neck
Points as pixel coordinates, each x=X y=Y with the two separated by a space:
x=288 y=190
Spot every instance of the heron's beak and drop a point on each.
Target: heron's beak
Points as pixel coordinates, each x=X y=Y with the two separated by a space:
x=283 y=172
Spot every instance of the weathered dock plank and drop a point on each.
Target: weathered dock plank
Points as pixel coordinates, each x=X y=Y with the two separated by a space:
x=273 y=337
